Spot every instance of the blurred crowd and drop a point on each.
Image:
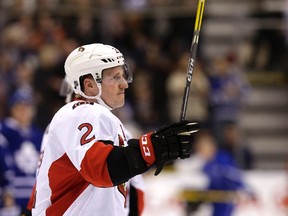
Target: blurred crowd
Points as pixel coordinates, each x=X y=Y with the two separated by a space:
x=35 y=43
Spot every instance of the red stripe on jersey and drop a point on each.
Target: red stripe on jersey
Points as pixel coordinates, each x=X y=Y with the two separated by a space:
x=66 y=185
x=31 y=202
x=94 y=167
x=121 y=141
x=140 y=199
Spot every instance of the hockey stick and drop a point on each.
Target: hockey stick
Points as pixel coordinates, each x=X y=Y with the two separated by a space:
x=198 y=22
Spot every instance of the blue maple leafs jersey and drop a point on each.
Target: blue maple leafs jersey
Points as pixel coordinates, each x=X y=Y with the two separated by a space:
x=19 y=155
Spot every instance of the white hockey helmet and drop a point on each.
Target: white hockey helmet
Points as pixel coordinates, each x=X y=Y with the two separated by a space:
x=93 y=59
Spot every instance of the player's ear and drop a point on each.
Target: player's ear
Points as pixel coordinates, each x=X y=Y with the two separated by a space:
x=88 y=83
x=90 y=86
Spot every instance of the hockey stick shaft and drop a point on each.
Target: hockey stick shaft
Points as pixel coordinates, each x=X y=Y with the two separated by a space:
x=194 y=45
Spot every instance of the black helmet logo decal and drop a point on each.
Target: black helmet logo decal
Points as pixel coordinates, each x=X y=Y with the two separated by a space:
x=81 y=49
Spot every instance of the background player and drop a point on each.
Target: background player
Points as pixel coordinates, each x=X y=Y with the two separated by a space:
x=20 y=142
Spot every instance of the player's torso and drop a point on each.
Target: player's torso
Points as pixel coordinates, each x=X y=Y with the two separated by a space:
x=77 y=126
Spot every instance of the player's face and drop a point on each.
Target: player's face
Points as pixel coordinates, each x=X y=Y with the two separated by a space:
x=23 y=113
x=113 y=87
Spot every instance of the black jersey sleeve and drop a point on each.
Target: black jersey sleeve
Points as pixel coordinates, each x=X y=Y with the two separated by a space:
x=124 y=163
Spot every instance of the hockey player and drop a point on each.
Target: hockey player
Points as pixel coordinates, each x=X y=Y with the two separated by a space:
x=134 y=204
x=88 y=158
x=20 y=142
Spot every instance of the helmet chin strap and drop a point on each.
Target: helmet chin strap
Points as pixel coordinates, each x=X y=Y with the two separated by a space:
x=98 y=97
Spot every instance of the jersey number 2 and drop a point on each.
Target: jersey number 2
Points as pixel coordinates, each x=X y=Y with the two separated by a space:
x=84 y=139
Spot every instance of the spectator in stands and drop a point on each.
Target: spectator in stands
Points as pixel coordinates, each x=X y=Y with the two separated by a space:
x=197 y=108
x=229 y=88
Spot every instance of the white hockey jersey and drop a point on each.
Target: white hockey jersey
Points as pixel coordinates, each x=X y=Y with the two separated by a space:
x=73 y=178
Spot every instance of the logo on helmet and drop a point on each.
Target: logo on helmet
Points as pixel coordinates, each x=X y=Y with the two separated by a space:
x=81 y=49
x=116 y=50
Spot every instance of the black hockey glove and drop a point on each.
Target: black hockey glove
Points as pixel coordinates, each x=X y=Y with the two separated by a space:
x=173 y=142
x=168 y=143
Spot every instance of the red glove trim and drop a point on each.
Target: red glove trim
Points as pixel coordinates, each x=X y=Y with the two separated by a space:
x=147 y=149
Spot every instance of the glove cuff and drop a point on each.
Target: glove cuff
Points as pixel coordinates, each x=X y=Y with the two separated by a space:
x=147 y=149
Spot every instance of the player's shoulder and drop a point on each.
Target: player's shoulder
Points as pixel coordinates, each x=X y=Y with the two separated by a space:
x=86 y=106
x=83 y=108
